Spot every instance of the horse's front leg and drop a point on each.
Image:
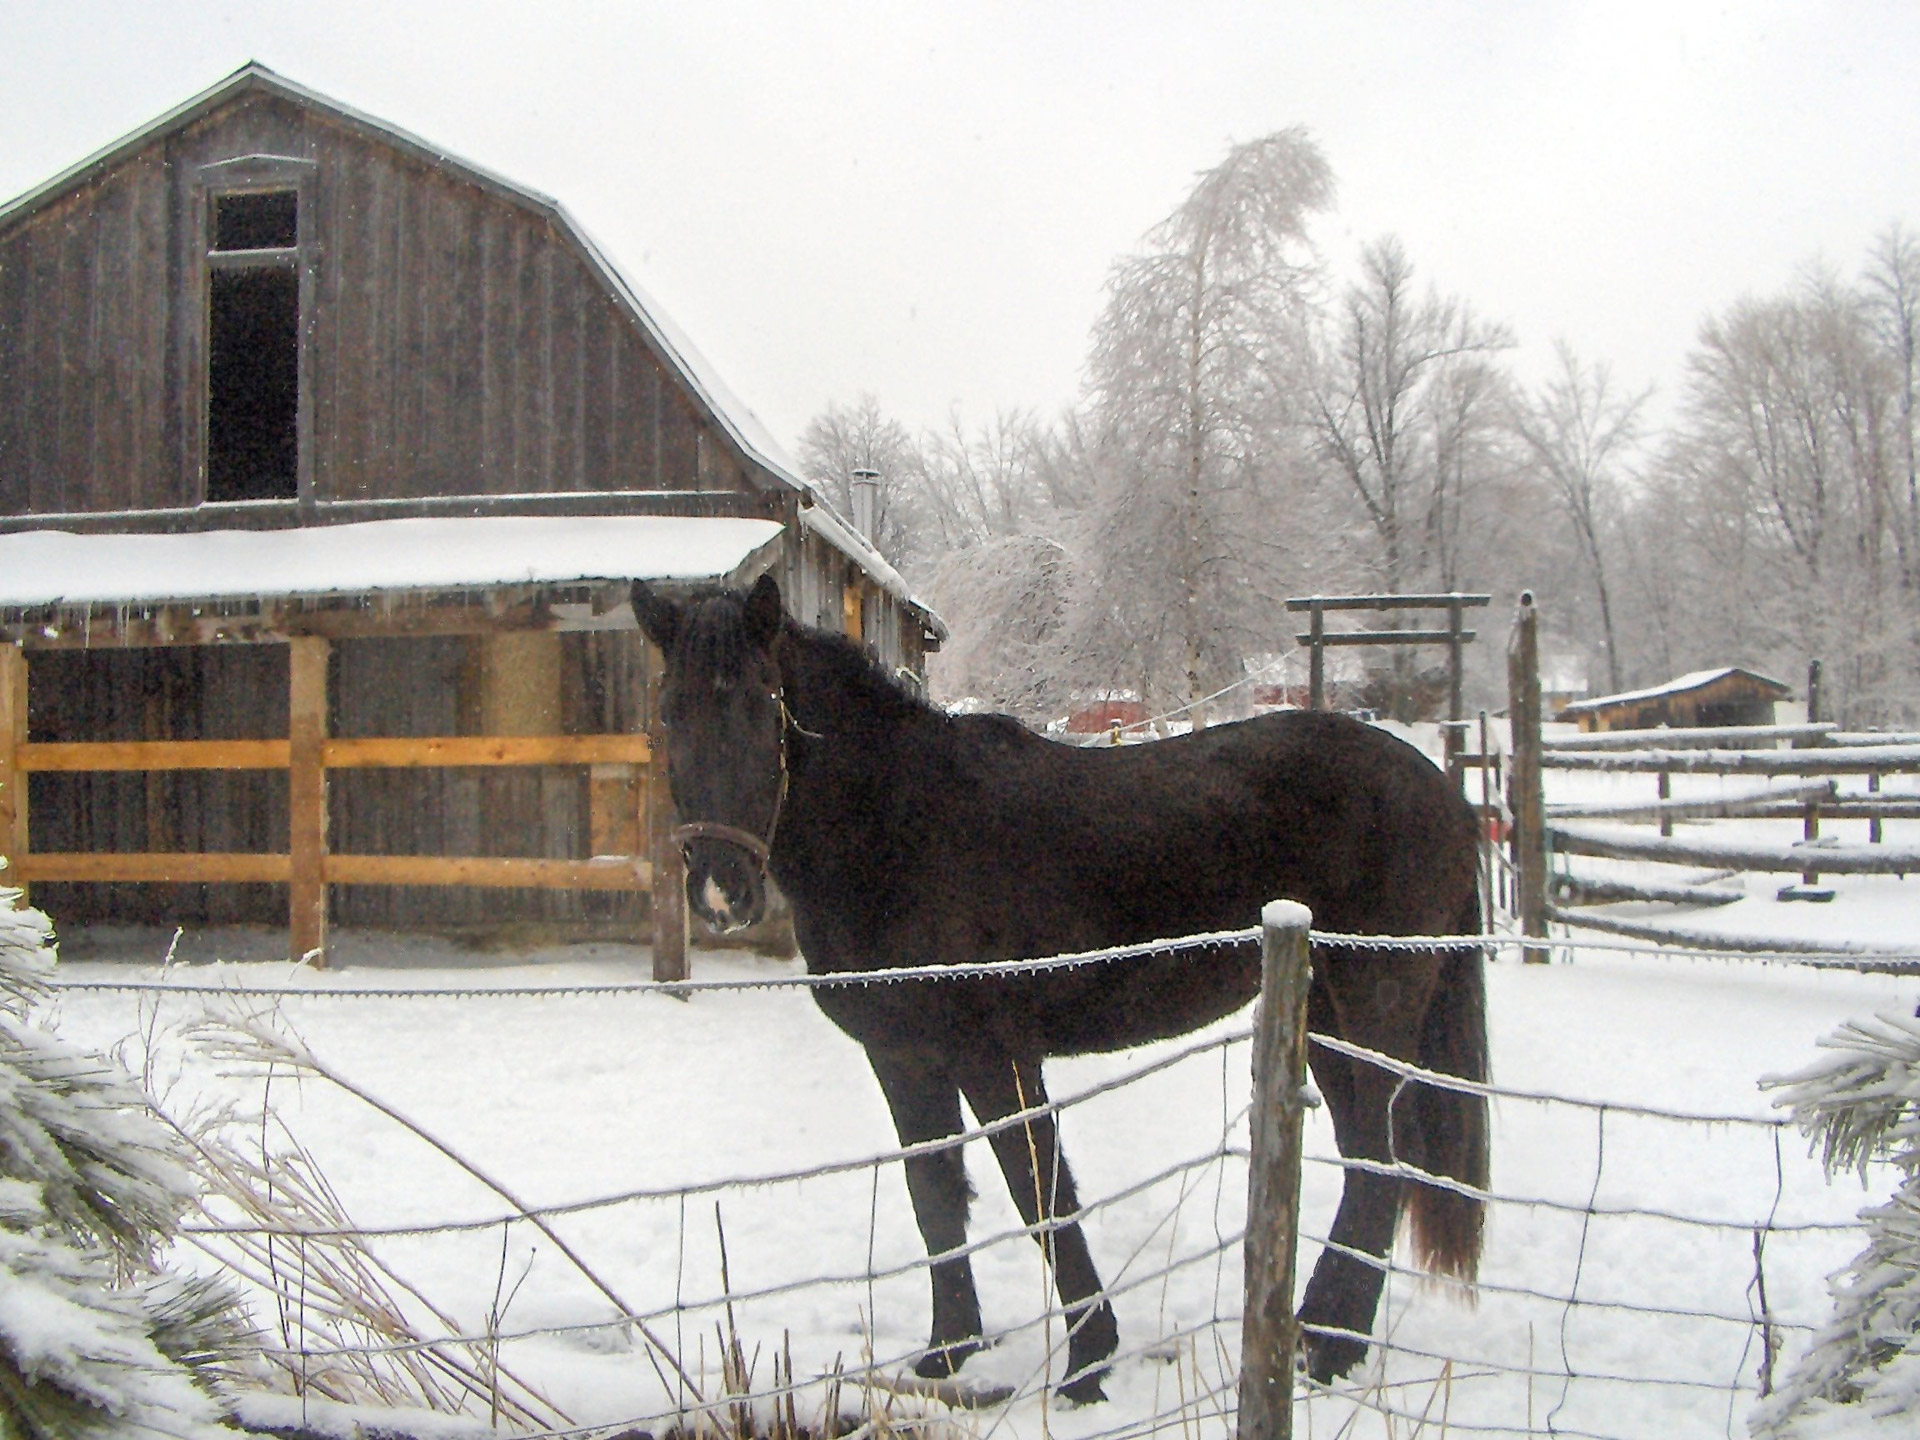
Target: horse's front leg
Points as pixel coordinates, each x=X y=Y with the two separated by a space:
x=1042 y=1188
x=926 y=1106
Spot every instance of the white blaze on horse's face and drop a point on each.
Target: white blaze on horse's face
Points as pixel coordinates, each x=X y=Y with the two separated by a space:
x=725 y=756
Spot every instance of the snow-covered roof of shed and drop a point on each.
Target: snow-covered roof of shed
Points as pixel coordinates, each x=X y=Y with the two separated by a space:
x=54 y=567
x=1679 y=685
x=734 y=417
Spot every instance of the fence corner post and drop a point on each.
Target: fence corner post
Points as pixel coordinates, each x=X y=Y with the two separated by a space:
x=1270 y=1335
x=1525 y=797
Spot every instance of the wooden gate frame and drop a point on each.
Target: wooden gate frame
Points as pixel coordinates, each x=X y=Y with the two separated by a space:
x=307 y=755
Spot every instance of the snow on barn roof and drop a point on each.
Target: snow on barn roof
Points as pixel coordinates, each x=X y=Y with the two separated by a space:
x=1679 y=685
x=48 y=567
x=733 y=416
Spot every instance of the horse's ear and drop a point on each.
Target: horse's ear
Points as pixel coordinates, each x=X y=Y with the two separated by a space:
x=763 y=612
x=659 y=617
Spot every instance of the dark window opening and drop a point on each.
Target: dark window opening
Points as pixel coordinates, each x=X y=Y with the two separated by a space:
x=269 y=221
x=253 y=382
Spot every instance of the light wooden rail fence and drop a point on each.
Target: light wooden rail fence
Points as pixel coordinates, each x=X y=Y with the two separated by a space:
x=625 y=807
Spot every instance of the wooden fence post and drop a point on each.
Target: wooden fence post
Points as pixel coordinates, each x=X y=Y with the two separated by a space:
x=667 y=905
x=13 y=780
x=1270 y=1334
x=307 y=798
x=1524 y=795
x=1317 y=657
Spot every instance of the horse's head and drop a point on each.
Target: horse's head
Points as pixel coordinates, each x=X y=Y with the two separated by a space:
x=722 y=710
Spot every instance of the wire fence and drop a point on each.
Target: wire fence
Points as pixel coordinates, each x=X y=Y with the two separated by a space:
x=1616 y=1287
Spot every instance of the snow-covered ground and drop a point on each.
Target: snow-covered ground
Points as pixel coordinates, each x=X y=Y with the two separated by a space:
x=571 y=1097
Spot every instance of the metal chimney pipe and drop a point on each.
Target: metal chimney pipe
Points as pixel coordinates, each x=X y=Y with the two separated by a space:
x=866 y=501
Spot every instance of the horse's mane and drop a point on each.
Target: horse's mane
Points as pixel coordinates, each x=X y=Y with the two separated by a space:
x=846 y=666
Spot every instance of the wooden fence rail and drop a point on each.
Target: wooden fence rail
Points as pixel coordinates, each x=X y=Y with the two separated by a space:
x=1821 y=752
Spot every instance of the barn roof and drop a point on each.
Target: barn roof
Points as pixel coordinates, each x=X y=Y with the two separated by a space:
x=734 y=418
x=1680 y=685
x=437 y=554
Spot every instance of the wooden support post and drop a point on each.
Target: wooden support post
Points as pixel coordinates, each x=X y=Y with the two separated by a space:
x=1524 y=796
x=307 y=798
x=1317 y=657
x=669 y=899
x=1488 y=809
x=13 y=779
x=1666 y=793
x=1809 y=886
x=667 y=907
x=1270 y=1333
x=1873 y=822
x=1455 y=738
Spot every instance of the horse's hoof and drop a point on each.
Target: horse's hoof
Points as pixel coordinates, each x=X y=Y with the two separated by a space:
x=944 y=1360
x=1084 y=1389
x=1331 y=1356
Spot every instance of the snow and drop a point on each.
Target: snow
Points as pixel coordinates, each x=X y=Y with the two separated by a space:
x=1679 y=685
x=569 y=1097
x=39 y=567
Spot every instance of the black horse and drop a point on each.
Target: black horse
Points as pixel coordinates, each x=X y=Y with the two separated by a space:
x=902 y=835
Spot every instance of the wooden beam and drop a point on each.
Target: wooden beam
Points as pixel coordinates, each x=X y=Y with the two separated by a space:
x=215 y=869
x=1715 y=807
x=13 y=778
x=307 y=798
x=462 y=750
x=155 y=755
x=396 y=753
x=493 y=872
x=486 y=871
x=1734 y=737
x=1389 y=637
x=1584 y=890
x=1834 y=760
x=1386 y=602
x=1781 y=859
x=1896 y=961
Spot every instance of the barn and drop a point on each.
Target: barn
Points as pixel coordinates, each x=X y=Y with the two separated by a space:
x=1726 y=696
x=326 y=459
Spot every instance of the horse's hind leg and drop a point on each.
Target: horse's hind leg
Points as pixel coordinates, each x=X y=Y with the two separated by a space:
x=926 y=1106
x=1371 y=998
x=1042 y=1188
x=1344 y=1290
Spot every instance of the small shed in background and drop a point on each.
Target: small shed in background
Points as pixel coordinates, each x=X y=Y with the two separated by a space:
x=1727 y=696
x=325 y=461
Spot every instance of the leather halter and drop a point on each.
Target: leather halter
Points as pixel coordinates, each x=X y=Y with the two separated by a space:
x=761 y=848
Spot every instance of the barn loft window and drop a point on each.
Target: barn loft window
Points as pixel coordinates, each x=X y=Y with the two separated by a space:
x=253 y=346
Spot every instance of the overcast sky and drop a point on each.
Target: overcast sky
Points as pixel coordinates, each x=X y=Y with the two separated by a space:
x=922 y=200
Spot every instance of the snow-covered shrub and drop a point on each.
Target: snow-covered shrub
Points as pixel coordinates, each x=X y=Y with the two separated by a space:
x=96 y=1339
x=1862 y=1105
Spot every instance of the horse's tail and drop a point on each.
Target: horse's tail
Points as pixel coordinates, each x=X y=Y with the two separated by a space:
x=1449 y=1129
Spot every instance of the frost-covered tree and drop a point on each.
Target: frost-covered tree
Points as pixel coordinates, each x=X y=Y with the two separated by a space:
x=96 y=1338
x=1861 y=1105
x=1408 y=406
x=1578 y=431
x=1198 y=361
x=844 y=438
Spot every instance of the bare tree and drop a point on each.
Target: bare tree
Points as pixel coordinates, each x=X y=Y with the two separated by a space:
x=845 y=438
x=1196 y=360
x=1580 y=432
x=1407 y=393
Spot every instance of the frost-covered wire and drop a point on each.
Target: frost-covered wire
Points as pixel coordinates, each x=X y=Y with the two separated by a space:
x=858 y=1164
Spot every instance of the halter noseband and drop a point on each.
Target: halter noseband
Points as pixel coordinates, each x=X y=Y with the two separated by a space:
x=760 y=848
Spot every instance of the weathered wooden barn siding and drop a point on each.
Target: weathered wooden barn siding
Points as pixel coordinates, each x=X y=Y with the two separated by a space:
x=457 y=342
x=378 y=688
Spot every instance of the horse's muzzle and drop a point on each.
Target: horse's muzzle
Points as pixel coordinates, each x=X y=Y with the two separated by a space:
x=725 y=887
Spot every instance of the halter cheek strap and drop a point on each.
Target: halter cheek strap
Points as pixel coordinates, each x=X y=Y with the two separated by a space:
x=760 y=848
